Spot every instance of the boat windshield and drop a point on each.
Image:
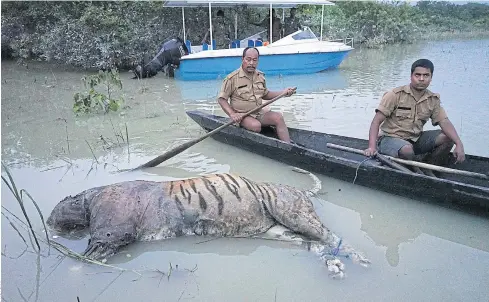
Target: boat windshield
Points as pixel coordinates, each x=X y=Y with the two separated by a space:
x=306 y=34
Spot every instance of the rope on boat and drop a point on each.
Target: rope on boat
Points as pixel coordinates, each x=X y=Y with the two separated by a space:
x=336 y=250
x=356 y=171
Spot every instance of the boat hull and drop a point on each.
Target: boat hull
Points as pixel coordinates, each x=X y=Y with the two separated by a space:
x=208 y=68
x=454 y=191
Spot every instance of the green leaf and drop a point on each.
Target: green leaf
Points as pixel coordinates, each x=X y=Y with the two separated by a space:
x=114 y=106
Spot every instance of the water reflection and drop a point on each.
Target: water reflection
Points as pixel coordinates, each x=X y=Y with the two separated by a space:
x=391 y=221
x=204 y=245
x=201 y=91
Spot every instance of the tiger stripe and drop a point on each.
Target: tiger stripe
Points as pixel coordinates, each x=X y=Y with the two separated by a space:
x=249 y=186
x=192 y=185
x=230 y=187
x=269 y=200
x=273 y=195
x=233 y=180
x=171 y=187
x=263 y=195
x=181 y=190
x=189 y=195
x=263 y=211
x=212 y=189
x=267 y=192
x=186 y=194
x=261 y=192
x=179 y=206
x=202 y=203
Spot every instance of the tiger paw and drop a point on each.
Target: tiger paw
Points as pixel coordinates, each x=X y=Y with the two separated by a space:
x=360 y=259
x=336 y=267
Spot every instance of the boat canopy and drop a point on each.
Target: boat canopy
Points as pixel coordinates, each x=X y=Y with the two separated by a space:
x=254 y=3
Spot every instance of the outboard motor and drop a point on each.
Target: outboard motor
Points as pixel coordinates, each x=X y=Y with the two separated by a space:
x=167 y=60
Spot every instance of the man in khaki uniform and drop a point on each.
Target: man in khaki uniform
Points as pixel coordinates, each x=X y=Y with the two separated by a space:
x=246 y=87
x=401 y=115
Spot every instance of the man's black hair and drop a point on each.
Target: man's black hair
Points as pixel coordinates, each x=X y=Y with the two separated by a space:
x=423 y=63
x=220 y=13
x=249 y=47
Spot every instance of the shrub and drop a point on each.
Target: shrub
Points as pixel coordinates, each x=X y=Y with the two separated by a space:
x=94 y=100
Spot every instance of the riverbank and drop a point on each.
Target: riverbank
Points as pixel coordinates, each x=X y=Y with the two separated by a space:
x=107 y=34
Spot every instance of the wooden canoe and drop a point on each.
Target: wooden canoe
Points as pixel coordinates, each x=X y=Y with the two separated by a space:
x=311 y=153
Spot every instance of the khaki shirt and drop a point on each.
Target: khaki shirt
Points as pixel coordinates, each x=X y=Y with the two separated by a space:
x=406 y=116
x=245 y=93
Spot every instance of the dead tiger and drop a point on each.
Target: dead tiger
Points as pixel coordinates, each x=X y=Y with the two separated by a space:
x=223 y=205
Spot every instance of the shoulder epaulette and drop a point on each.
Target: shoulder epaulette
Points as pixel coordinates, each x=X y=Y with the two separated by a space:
x=232 y=74
x=398 y=89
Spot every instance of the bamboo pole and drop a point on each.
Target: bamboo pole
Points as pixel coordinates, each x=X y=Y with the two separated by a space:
x=415 y=163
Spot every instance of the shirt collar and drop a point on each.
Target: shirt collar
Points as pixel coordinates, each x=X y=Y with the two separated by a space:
x=426 y=95
x=242 y=73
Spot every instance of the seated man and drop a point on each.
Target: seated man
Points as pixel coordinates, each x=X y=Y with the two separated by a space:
x=401 y=115
x=246 y=88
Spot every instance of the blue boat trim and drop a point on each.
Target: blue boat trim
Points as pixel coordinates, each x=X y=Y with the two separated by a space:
x=277 y=64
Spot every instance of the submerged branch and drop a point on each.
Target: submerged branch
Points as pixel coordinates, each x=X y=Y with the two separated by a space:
x=127 y=140
x=108 y=285
x=92 y=151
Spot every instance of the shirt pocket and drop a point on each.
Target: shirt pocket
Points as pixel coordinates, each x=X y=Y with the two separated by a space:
x=423 y=114
x=243 y=92
x=259 y=88
x=403 y=113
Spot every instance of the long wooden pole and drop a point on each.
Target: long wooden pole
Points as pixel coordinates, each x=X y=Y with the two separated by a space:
x=183 y=23
x=322 y=21
x=415 y=163
x=271 y=24
x=382 y=158
x=210 y=26
x=179 y=149
x=392 y=164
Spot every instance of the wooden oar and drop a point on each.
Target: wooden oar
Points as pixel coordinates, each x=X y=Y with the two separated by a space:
x=414 y=163
x=158 y=160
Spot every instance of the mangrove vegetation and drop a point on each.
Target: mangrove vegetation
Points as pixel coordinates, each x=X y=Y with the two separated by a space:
x=102 y=35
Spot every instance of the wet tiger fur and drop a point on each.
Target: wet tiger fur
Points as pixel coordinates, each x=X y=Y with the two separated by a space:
x=215 y=205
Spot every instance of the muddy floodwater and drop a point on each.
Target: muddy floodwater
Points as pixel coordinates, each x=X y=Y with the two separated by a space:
x=419 y=251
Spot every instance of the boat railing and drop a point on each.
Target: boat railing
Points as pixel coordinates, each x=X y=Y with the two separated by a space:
x=346 y=41
x=253 y=41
